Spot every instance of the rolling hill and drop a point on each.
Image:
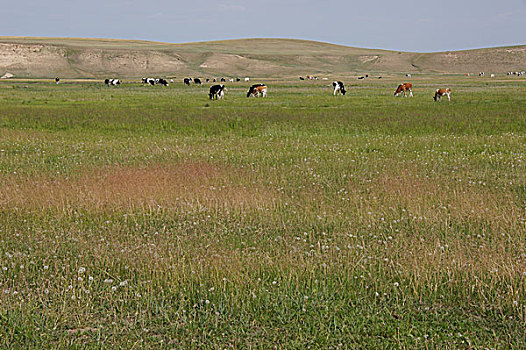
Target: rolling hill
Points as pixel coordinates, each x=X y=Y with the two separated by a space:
x=31 y=57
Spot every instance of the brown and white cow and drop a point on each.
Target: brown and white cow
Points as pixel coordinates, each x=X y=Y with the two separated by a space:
x=441 y=92
x=311 y=77
x=257 y=90
x=403 y=88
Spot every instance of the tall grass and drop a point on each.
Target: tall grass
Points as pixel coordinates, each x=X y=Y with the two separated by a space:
x=145 y=217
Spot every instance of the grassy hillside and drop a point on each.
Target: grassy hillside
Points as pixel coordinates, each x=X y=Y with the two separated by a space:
x=95 y=58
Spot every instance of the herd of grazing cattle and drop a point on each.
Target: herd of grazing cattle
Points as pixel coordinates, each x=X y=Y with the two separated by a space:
x=218 y=91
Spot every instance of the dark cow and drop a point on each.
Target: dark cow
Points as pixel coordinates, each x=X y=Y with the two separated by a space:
x=302 y=78
x=163 y=82
x=338 y=88
x=359 y=78
x=238 y=79
x=223 y=80
x=217 y=92
x=257 y=90
x=207 y=80
x=57 y=80
x=197 y=81
x=187 y=81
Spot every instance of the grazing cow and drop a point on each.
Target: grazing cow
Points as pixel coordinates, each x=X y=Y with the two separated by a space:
x=441 y=92
x=231 y=80
x=302 y=78
x=492 y=75
x=217 y=92
x=113 y=82
x=163 y=82
x=150 y=81
x=408 y=75
x=57 y=80
x=312 y=77
x=223 y=80
x=257 y=90
x=238 y=79
x=247 y=79
x=214 y=80
x=207 y=80
x=338 y=88
x=171 y=81
x=403 y=88
x=361 y=78
x=379 y=77
x=481 y=74
x=187 y=81
x=197 y=81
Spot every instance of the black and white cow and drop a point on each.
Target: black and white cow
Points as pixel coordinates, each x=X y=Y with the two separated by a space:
x=197 y=81
x=113 y=82
x=149 y=81
x=217 y=92
x=163 y=82
x=338 y=87
x=57 y=80
x=187 y=81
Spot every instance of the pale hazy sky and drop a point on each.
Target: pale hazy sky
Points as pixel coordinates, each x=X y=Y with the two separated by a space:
x=410 y=25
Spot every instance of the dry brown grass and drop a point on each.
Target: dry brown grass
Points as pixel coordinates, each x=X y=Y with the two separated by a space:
x=185 y=185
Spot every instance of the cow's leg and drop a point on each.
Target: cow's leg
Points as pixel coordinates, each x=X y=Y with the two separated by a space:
x=410 y=93
x=448 y=97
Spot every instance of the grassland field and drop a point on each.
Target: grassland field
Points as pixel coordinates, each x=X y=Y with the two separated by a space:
x=151 y=217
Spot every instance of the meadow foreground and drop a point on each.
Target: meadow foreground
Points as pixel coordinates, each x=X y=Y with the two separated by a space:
x=149 y=217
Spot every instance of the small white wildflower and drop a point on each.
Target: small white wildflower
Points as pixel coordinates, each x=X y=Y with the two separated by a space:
x=207 y=301
x=80 y=279
x=396 y=284
x=90 y=278
x=123 y=283
x=108 y=280
x=81 y=270
x=114 y=288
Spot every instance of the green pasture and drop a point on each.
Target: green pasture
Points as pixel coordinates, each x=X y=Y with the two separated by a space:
x=152 y=217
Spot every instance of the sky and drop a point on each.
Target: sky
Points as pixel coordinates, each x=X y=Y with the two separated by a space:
x=410 y=25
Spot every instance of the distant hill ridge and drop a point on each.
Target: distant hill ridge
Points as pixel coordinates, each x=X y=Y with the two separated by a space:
x=32 y=57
